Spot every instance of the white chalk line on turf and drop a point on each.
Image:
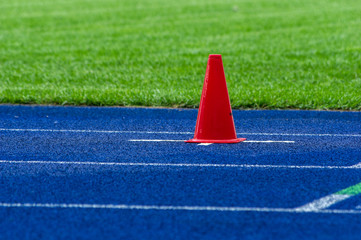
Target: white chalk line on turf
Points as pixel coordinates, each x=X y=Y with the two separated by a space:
x=332 y=199
x=204 y=165
x=268 y=141
x=86 y=131
x=324 y=202
x=172 y=132
x=358 y=165
x=302 y=134
x=206 y=144
x=155 y=140
x=171 y=208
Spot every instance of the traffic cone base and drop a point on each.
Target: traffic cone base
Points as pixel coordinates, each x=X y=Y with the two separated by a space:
x=236 y=140
x=215 y=122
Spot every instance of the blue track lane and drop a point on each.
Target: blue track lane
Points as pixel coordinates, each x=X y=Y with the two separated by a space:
x=96 y=184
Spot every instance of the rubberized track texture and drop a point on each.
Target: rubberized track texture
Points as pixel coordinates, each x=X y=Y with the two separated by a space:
x=125 y=173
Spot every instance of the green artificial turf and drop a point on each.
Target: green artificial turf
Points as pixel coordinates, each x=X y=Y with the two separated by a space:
x=276 y=53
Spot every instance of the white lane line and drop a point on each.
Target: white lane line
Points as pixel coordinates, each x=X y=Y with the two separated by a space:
x=85 y=131
x=303 y=134
x=155 y=140
x=268 y=141
x=161 y=132
x=324 y=202
x=204 y=144
x=170 y=208
x=329 y=200
x=357 y=166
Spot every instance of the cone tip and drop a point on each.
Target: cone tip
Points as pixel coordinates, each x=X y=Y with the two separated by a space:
x=219 y=56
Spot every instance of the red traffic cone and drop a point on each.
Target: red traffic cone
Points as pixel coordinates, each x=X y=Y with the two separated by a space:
x=215 y=121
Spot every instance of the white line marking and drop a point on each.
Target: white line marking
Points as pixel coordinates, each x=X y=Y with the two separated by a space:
x=323 y=202
x=86 y=131
x=170 y=208
x=303 y=134
x=155 y=140
x=204 y=144
x=268 y=141
x=357 y=166
x=160 y=132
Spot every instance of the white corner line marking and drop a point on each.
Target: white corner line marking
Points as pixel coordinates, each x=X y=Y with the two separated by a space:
x=329 y=200
x=357 y=165
x=205 y=165
x=170 y=208
x=323 y=202
x=204 y=144
x=171 y=132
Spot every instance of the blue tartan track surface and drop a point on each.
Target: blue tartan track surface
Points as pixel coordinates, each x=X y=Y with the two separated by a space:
x=125 y=173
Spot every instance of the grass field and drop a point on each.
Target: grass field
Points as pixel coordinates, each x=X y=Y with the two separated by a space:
x=277 y=54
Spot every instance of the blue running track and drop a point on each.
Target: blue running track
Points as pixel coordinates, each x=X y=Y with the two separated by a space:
x=124 y=173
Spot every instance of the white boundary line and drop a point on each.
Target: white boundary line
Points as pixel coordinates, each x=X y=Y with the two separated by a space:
x=205 y=165
x=324 y=202
x=155 y=140
x=171 y=208
x=303 y=134
x=85 y=131
x=160 y=132
x=205 y=144
x=268 y=141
